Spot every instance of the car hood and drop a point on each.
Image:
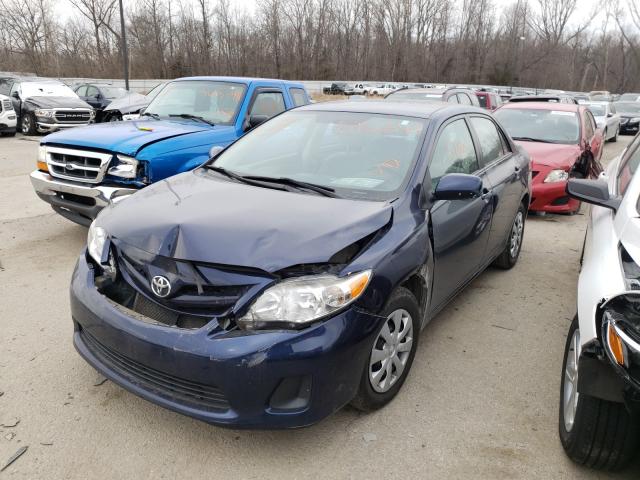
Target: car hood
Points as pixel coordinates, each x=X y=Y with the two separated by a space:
x=125 y=137
x=129 y=103
x=58 y=102
x=551 y=154
x=197 y=217
x=629 y=114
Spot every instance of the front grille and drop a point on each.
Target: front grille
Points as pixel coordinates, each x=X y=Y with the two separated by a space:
x=72 y=116
x=207 y=397
x=78 y=165
x=6 y=105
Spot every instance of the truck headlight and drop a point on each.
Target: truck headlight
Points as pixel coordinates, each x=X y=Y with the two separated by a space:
x=41 y=163
x=126 y=168
x=295 y=302
x=96 y=241
x=44 y=113
x=556 y=176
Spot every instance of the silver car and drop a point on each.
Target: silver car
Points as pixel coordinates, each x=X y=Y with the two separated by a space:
x=607 y=119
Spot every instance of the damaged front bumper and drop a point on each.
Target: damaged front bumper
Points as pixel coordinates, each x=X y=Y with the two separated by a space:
x=235 y=378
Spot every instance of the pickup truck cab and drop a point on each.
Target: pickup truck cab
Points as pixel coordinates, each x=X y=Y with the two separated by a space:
x=79 y=172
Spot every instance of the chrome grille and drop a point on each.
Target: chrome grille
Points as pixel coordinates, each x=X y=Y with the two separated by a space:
x=73 y=116
x=6 y=105
x=77 y=165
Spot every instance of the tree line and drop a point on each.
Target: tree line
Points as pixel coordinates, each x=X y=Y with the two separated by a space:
x=534 y=43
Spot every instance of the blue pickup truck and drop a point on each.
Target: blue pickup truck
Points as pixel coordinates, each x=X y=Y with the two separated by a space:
x=79 y=171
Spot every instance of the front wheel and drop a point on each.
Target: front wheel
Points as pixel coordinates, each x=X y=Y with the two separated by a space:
x=391 y=353
x=509 y=256
x=595 y=433
x=28 y=124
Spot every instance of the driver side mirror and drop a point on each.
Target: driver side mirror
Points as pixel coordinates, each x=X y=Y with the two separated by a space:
x=609 y=115
x=595 y=192
x=458 y=186
x=255 y=120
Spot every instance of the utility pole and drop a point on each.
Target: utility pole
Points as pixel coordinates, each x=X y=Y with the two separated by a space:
x=123 y=48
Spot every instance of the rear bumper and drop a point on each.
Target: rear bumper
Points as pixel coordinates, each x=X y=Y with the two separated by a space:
x=270 y=379
x=77 y=202
x=552 y=198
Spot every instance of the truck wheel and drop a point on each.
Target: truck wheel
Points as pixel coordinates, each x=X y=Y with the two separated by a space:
x=28 y=124
x=595 y=433
x=114 y=117
x=391 y=353
x=509 y=256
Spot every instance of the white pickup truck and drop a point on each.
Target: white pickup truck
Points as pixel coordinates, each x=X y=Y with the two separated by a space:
x=381 y=89
x=7 y=117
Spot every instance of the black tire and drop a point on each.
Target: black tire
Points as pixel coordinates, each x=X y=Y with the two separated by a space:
x=28 y=124
x=113 y=117
x=603 y=435
x=615 y=138
x=508 y=258
x=367 y=399
x=9 y=134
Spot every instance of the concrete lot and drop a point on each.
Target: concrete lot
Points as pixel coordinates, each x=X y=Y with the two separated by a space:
x=481 y=400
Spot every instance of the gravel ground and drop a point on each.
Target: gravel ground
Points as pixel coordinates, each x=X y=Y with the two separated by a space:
x=481 y=400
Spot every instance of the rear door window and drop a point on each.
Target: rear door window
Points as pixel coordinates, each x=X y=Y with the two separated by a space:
x=82 y=91
x=454 y=152
x=299 y=96
x=464 y=99
x=489 y=139
x=268 y=104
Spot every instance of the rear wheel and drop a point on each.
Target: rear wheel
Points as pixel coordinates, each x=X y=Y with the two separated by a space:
x=615 y=137
x=595 y=433
x=391 y=354
x=509 y=256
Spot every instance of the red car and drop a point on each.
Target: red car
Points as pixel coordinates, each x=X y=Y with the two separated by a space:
x=489 y=100
x=562 y=140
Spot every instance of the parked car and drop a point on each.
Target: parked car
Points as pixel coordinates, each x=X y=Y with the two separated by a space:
x=489 y=100
x=7 y=117
x=357 y=89
x=99 y=96
x=560 y=98
x=337 y=88
x=629 y=117
x=581 y=97
x=629 y=97
x=43 y=105
x=129 y=107
x=562 y=140
x=463 y=96
x=381 y=90
x=600 y=96
x=600 y=389
x=292 y=273
x=79 y=172
x=607 y=119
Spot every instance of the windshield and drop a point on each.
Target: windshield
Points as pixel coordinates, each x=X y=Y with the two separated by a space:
x=113 y=92
x=359 y=155
x=216 y=102
x=552 y=126
x=598 y=110
x=403 y=95
x=48 y=89
x=629 y=107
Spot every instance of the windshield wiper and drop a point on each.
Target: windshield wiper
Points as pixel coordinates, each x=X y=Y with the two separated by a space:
x=152 y=115
x=193 y=117
x=240 y=178
x=530 y=139
x=321 y=189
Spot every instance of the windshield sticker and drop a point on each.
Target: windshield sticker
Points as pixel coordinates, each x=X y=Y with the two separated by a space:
x=566 y=114
x=357 y=182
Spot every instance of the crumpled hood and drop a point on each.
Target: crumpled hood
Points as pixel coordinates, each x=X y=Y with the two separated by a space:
x=198 y=217
x=551 y=154
x=131 y=102
x=58 y=102
x=124 y=137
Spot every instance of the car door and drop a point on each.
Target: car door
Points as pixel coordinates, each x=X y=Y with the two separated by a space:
x=592 y=136
x=614 y=120
x=16 y=99
x=506 y=171
x=93 y=97
x=461 y=228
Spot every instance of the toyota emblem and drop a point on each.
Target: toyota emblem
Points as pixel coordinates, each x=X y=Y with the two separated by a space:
x=160 y=286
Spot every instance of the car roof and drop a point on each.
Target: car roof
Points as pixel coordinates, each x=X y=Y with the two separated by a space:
x=563 y=107
x=245 y=80
x=416 y=109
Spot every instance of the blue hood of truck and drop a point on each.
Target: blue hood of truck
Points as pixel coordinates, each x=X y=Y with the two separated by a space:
x=127 y=137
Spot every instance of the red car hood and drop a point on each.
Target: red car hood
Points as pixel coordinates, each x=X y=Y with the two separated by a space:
x=551 y=154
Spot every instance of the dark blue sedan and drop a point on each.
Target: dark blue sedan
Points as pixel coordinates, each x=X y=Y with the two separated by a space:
x=292 y=274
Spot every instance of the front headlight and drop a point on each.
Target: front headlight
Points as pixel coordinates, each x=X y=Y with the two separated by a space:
x=44 y=113
x=41 y=163
x=96 y=241
x=556 y=176
x=126 y=168
x=296 y=302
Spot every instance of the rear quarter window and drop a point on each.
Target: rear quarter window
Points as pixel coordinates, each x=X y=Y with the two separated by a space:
x=299 y=96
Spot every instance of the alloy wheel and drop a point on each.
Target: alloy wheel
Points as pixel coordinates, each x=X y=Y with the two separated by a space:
x=391 y=351
x=26 y=124
x=570 y=399
x=516 y=234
